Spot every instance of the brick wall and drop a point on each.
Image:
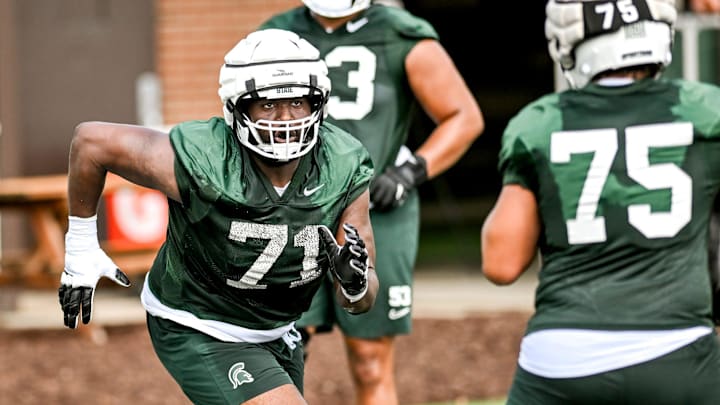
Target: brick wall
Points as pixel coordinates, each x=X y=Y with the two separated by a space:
x=192 y=37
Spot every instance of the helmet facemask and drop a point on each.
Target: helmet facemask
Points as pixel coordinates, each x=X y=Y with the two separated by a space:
x=277 y=139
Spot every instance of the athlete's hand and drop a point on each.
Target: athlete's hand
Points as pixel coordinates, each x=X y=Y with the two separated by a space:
x=390 y=189
x=348 y=263
x=85 y=264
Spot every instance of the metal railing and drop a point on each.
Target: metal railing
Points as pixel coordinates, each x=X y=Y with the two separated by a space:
x=690 y=25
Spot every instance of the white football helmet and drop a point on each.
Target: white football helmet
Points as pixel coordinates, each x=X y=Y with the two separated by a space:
x=336 y=8
x=590 y=37
x=274 y=64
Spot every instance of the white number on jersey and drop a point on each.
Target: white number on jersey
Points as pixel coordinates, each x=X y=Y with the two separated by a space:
x=277 y=236
x=362 y=80
x=587 y=227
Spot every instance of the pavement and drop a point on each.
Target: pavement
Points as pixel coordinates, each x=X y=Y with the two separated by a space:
x=458 y=293
x=439 y=293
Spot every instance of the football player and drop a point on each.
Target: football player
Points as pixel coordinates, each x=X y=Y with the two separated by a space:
x=384 y=63
x=252 y=199
x=613 y=180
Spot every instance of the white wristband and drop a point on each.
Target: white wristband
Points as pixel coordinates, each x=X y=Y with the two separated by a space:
x=357 y=297
x=82 y=234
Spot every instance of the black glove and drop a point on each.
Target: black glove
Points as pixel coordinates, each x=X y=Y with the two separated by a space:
x=348 y=263
x=390 y=189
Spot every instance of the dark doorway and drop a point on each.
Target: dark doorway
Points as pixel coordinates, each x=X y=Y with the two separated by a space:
x=500 y=49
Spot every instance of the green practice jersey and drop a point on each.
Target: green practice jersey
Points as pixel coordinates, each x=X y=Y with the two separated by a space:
x=625 y=179
x=238 y=252
x=370 y=96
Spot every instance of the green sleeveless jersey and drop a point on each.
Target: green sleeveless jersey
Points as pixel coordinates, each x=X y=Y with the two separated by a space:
x=624 y=179
x=370 y=96
x=238 y=252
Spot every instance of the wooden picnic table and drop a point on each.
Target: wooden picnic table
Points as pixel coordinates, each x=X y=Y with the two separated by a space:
x=44 y=199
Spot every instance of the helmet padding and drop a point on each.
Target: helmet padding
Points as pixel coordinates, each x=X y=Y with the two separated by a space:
x=590 y=37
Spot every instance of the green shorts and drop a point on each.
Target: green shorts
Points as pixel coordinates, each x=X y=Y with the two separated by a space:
x=396 y=244
x=690 y=375
x=211 y=372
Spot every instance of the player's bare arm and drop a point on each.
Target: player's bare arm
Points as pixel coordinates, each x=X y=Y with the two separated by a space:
x=443 y=94
x=141 y=155
x=510 y=235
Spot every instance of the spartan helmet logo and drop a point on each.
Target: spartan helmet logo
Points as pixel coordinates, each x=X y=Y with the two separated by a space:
x=238 y=376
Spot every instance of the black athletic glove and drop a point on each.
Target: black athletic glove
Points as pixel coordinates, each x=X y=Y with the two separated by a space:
x=390 y=189
x=348 y=263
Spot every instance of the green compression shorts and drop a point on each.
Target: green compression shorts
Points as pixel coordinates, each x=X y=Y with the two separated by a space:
x=396 y=244
x=212 y=372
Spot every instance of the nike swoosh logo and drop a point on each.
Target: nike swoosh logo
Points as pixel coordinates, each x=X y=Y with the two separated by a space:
x=310 y=191
x=395 y=314
x=353 y=26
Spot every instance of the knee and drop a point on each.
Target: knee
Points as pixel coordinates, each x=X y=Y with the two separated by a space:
x=371 y=364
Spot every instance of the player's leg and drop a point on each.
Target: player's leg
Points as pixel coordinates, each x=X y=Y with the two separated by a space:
x=371 y=366
x=214 y=372
x=370 y=336
x=284 y=394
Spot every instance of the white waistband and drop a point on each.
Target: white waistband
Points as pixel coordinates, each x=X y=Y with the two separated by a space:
x=569 y=353
x=220 y=330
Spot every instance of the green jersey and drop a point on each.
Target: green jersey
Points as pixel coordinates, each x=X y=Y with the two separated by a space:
x=624 y=179
x=370 y=96
x=238 y=252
